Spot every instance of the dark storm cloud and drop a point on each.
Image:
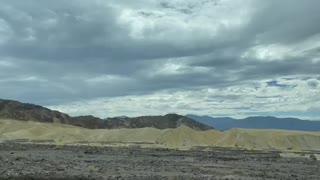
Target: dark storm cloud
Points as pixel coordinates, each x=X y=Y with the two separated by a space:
x=62 y=51
x=65 y=30
x=286 y=21
x=72 y=32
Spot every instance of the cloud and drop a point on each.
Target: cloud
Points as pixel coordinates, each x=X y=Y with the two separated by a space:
x=238 y=101
x=5 y=32
x=60 y=53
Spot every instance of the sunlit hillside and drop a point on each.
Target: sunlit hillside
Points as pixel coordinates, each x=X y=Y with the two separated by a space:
x=182 y=138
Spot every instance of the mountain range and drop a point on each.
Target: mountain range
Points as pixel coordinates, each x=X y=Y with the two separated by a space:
x=10 y=109
x=29 y=112
x=258 y=122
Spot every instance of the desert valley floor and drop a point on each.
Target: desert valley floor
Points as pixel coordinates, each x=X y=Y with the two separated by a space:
x=30 y=161
x=32 y=150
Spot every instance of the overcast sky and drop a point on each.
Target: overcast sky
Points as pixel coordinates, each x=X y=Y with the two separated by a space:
x=150 y=57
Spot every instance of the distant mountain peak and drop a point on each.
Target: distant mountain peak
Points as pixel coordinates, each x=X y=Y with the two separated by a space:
x=259 y=122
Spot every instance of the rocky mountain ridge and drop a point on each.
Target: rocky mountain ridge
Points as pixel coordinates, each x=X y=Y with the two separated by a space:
x=29 y=112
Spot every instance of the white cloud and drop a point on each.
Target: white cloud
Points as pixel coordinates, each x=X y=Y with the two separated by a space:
x=107 y=79
x=6 y=64
x=23 y=79
x=271 y=52
x=5 y=31
x=183 y=21
x=176 y=67
x=236 y=101
x=283 y=52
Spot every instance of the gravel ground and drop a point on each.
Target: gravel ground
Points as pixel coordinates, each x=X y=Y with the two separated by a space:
x=31 y=161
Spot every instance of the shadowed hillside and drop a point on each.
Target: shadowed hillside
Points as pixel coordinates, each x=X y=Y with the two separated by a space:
x=29 y=112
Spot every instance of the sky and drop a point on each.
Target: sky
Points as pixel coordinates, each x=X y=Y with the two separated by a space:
x=108 y=58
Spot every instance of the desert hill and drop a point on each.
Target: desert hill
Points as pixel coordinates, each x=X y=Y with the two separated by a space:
x=258 y=122
x=159 y=122
x=181 y=138
x=32 y=123
x=29 y=112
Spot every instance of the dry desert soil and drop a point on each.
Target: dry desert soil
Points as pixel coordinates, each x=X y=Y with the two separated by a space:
x=35 y=161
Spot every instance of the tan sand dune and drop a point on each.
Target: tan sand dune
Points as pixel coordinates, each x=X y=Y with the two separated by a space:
x=182 y=138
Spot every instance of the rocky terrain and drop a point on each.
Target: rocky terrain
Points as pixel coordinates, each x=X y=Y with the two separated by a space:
x=159 y=122
x=28 y=112
x=23 y=161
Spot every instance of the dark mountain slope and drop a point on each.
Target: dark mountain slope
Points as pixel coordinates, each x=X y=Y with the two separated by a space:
x=29 y=112
x=159 y=122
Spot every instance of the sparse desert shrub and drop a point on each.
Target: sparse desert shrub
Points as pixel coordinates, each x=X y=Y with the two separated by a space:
x=313 y=157
x=58 y=147
x=18 y=158
x=93 y=169
x=238 y=172
x=173 y=178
